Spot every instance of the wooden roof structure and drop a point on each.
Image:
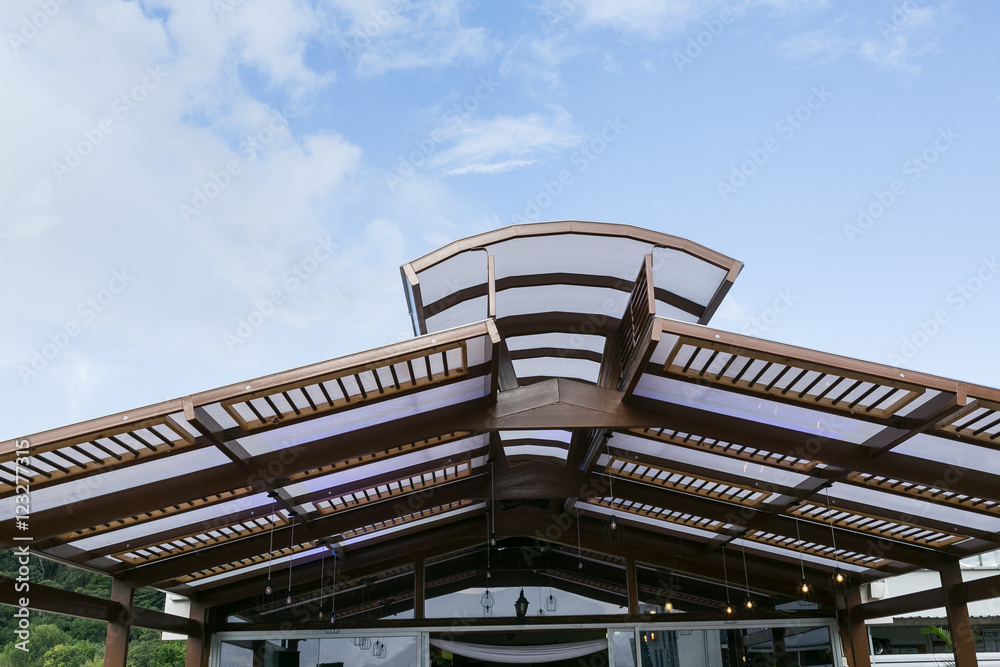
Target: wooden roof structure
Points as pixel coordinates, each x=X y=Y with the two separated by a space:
x=562 y=374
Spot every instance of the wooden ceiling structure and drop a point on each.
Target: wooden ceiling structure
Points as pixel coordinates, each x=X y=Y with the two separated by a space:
x=563 y=374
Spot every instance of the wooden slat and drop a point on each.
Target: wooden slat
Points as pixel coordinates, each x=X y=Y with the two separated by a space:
x=356 y=375
x=699 y=486
x=789 y=372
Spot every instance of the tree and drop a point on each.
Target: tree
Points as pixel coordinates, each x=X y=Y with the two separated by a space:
x=71 y=655
x=944 y=636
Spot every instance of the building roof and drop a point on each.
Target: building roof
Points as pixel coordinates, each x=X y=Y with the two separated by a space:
x=562 y=374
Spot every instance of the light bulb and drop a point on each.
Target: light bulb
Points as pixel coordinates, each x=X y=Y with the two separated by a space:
x=804 y=587
x=748 y=604
x=267 y=587
x=288 y=597
x=839 y=577
x=729 y=610
x=333 y=617
x=579 y=565
x=493 y=539
x=614 y=524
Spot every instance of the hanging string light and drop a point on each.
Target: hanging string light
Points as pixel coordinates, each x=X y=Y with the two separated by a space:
x=268 y=589
x=729 y=605
x=291 y=547
x=333 y=591
x=322 y=562
x=487 y=600
x=579 y=548
x=838 y=575
x=613 y=533
x=551 y=604
x=493 y=516
x=803 y=587
x=748 y=603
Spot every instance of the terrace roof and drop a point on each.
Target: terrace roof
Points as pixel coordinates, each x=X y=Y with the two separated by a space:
x=561 y=373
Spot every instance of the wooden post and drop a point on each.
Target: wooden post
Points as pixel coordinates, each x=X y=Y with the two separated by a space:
x=116 y=640
x=418 y=589
x=196 y=645
x=959 y=623
x=856 y=647
x=778 y=647
x=633 y=586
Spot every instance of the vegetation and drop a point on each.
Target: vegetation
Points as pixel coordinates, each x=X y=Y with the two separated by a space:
x=63 y=641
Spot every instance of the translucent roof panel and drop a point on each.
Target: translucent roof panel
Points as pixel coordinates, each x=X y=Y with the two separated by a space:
x=552 y=435
x=398 y=407
x=535 y=452
x=359 y=473
x=113 y=481
x=462 y=271
x=274 y=563
x=663 y=526
x=580 y=369
x=569 y=253
x=914 y=507
x=666 y=311
x=561 y=299
x=418 y=524
x=686 y=275
x=204 y=515
x=561 y=341
x=463 y=312
x=753 y=471
x=761 y=410
x=753 y=545
x=952 y=452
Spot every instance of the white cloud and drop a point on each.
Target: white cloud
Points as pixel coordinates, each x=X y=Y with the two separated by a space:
x=504 y=142
x=653 y=19
x=378 y=36
x=895 y=41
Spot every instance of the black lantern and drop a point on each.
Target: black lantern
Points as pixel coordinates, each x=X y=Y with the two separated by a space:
x=521 y=607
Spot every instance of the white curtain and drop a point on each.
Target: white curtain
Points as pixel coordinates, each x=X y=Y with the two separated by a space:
x=522 y=655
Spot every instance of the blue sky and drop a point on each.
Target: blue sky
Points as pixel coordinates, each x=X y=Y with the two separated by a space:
x=171 y=168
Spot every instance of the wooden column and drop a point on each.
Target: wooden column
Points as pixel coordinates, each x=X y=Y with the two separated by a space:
x=197 y=646
x=633 y=586
x=116 y=641
x=778 y=647
x=258 y=648
x=856 y=646
x=418 y=589
x=959 y=623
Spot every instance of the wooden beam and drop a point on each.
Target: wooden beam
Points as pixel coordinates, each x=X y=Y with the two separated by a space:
x=633 y=586
x=418 y=587
x=196 y=651
x=857 y=633
x=980 y=589
x=116 y=642
x=959 y=623
x=903 y=604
